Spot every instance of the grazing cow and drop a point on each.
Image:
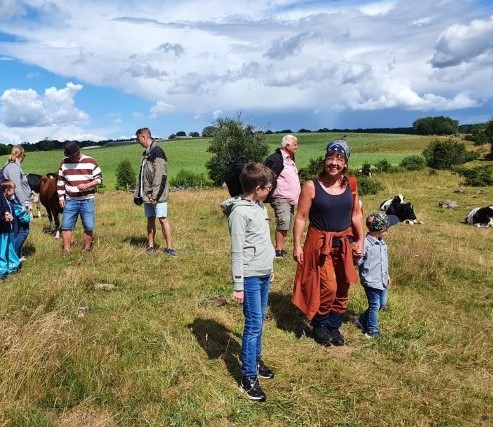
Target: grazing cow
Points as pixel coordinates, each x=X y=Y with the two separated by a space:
x=480 y=217
x=386 y=204
x=49 y=199
x=34 y=181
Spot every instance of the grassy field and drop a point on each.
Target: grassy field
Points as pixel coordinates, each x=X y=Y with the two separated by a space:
x=192 y=154
x=161 y=347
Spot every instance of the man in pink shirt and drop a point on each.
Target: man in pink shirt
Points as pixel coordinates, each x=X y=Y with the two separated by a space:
x=287 y=189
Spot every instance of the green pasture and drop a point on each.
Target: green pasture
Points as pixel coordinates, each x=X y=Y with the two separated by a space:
x=191 y=155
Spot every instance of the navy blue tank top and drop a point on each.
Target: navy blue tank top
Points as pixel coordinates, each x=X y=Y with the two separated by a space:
x=329 y=212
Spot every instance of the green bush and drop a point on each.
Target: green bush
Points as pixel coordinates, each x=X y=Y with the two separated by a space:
x=413 y=163
x=233 y=141
x=384 y=166
x=476 y=177
x=125 y=176
x=367 y=185
x=313 y=169
x=445 y=154
x=186 y=179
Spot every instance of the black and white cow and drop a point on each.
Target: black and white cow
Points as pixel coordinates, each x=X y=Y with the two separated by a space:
x=397 y=207
x=34 y=181
x=386 y=204
x=480 y=217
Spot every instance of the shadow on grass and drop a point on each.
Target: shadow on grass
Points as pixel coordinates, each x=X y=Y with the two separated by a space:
x=287 y=316
x=140 y=241
x=219 y=343
x=28 y=249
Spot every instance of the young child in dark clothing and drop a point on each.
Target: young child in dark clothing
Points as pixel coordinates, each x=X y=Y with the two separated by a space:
x=9 y=261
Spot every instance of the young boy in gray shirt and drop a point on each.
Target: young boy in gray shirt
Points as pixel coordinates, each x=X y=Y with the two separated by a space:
x=252 y=257
x=373 y=269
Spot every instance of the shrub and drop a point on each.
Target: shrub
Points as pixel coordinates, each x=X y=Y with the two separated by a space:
x=384 y=166
x=125 y=176
x=313 y=169
x=367 y=185
x=445 y=154
x=476 y=177
x=413 y=163
x=186 y=179
x=233 y=141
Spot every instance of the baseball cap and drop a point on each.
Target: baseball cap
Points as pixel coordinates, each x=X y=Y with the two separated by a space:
x=378 y=221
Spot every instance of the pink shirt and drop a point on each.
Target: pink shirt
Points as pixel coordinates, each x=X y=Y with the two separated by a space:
x=288 y=182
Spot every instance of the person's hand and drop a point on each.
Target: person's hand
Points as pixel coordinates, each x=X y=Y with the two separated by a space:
x=8 y=217
x=272 y=275
x=152 y=201
x=298 y=255
x=83 y=187
x=238 y=296
x=358 y=249
x=61 y=202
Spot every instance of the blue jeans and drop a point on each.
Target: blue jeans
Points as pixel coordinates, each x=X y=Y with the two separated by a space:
x=21 y=233
x=256 y=294
x=74 y=208
x=377 y=299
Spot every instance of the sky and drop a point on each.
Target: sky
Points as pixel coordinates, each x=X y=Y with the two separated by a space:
x=96 y=70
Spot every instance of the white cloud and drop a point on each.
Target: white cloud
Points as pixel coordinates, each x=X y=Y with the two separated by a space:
x=27 y=108
x=195 y=58
x=464 y=43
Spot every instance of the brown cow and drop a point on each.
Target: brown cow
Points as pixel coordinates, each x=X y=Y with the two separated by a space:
x=49 y=199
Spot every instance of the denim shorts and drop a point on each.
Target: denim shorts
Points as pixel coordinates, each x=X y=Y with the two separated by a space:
x=74 y=208
x=159 y=210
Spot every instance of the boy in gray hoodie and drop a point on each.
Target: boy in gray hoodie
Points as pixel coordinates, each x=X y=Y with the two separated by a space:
x=252 y=256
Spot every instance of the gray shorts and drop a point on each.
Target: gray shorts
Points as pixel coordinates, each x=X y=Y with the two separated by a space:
x=284 y=213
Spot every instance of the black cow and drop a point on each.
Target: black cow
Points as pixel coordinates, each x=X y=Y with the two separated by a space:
x=404 y=211
x=386 y=204
x=233 y=179
x=480 y=217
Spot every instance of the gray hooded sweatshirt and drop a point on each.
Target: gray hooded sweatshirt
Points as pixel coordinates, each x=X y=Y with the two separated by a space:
x=252 y=253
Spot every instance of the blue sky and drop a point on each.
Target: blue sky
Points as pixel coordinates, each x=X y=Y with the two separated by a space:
x=73 y=69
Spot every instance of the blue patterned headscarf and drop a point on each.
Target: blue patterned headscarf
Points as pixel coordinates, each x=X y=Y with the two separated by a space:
x=339 y=146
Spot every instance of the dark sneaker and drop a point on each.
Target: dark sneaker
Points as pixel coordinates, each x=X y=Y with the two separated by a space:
x=251 y=387
x=170 y=251
x=373 y=335
x=150 y=251
x=279 y=253
x=321 y=335
x=264 y=371
x=336 y=337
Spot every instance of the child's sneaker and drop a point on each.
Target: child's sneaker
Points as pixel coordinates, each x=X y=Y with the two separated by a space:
x=251 y=387
x=373 y=335
x=264 y=371
x=150 y=251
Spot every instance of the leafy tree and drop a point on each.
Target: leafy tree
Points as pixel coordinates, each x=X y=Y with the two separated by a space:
x=489 y=132
x=208 y=131
x=172 y=136
x=444 y=154
x=233 y=141
x=479 y=135
x=125 y=175
x=193 y=134
x=436 y=126
x=181 y=133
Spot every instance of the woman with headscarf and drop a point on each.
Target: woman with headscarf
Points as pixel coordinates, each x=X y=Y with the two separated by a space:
x=13 y=171
x=334 y=238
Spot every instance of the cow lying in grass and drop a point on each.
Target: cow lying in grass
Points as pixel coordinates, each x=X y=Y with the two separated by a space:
x=480 y=217
x=397 y=207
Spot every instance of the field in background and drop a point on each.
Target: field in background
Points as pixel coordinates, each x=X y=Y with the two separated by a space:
x=161 y=348
x=191 y=154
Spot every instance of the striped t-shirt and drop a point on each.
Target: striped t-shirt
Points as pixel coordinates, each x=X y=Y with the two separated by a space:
x=72 y=174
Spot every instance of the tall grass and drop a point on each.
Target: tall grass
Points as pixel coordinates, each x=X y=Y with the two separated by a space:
x=162 y=348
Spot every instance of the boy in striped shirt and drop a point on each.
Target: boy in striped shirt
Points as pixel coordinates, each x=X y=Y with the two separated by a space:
x=78 y=177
